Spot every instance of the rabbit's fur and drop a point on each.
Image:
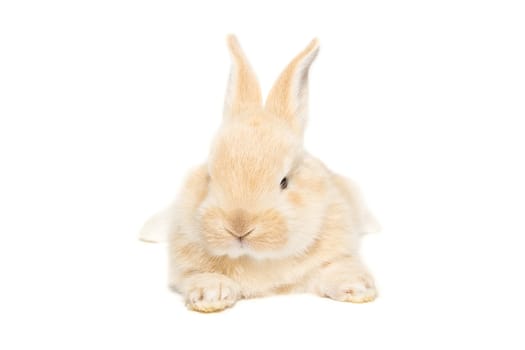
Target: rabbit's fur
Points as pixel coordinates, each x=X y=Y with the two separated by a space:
x=239 y=230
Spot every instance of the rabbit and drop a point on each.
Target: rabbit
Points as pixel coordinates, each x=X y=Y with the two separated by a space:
x=263 y=216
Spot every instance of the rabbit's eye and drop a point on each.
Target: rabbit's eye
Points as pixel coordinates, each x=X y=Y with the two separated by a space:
x=284 y=183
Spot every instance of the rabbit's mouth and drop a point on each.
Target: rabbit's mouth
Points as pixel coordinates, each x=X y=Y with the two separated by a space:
x=239 y=232
x=241 y=246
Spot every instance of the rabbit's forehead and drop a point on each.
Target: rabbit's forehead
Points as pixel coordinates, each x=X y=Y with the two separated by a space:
x=248 y=152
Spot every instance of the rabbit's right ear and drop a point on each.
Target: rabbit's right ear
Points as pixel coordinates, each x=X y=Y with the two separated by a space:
x=288 y=98
x=243 y=91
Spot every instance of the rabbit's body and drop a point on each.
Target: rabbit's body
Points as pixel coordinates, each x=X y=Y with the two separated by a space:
x=262 y=216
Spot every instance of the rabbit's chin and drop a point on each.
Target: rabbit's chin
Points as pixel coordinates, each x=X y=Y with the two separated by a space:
x=240 y=254
x=242 y=251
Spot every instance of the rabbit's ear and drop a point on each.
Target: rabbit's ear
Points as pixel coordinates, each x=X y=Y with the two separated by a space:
x=289 y=96
x=243 y=91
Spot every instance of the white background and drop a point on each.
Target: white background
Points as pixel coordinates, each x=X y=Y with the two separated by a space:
x=105 y=105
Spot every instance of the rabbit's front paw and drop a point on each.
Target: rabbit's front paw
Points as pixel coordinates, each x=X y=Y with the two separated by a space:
x=354 y=289
x=210 y=292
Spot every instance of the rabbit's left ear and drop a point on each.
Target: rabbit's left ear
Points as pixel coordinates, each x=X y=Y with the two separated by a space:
x=288 y=98
x=243 y=91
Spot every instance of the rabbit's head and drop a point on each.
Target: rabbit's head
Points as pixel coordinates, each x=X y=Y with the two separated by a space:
x=265 y=196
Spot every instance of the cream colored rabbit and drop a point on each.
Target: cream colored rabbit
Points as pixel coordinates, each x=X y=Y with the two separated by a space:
x=263 y=216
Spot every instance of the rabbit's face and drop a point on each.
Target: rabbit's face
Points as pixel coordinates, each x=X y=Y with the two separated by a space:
x=265 y=196
x=256 y=199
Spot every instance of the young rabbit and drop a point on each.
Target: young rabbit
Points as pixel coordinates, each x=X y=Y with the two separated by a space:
x=263 y=216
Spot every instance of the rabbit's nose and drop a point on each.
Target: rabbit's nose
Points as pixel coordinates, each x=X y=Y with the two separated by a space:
x=239 y=224
x=237 y=234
